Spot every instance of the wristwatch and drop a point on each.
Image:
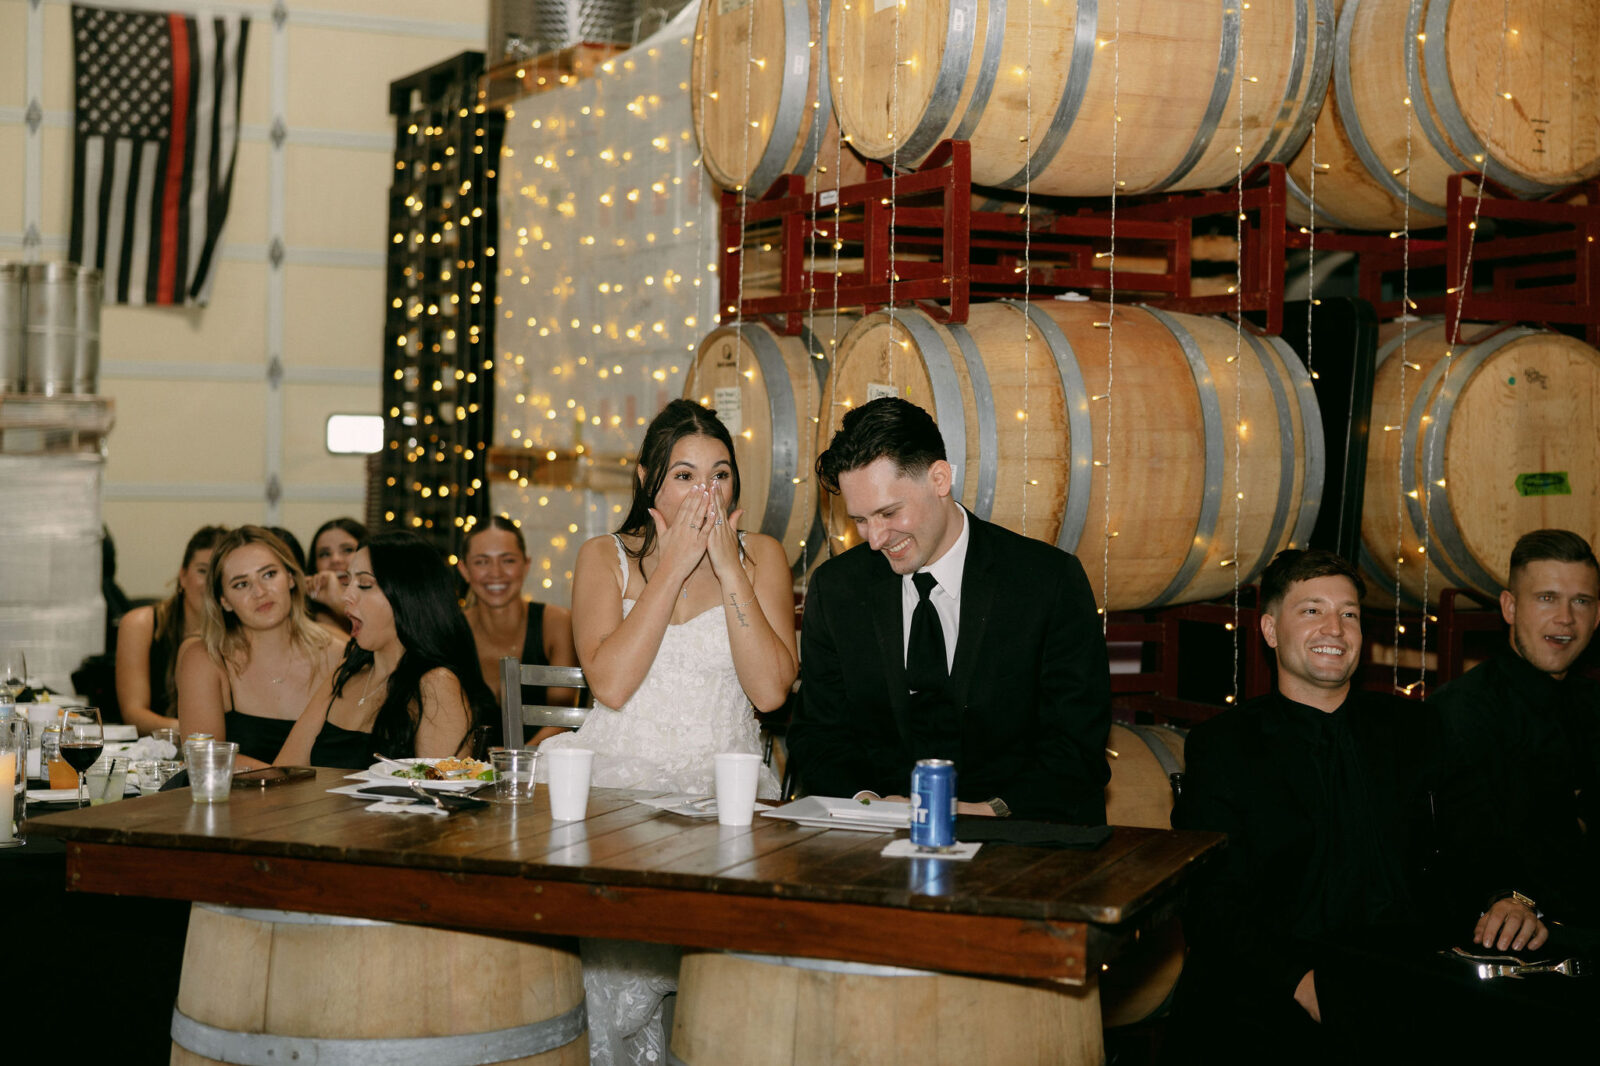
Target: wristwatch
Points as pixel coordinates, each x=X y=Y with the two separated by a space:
x=998 y=806
x=1513 y=894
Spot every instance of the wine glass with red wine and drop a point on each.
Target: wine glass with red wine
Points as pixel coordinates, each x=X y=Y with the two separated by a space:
x=82 y=740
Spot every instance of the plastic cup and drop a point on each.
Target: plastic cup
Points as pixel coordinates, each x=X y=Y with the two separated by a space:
x=210 y=765
x=736 y=787
x=106 y=782
x=170 y=736
x=569 y=782
x=148 y=771
x=513 y=774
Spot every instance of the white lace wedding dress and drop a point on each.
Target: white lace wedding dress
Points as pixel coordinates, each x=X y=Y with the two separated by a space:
x=688 y=708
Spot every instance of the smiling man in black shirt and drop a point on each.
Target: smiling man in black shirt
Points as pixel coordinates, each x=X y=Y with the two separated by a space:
x=1322 y=793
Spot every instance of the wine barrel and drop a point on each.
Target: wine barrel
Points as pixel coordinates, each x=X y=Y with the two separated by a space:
x=1143 y=759
x=1472 y=451
x=1503 y=97
x=279 y=986
x=1034 y=87
x=1018 y=394
x=759 y=96
x=755 y=1010
x=767 y=389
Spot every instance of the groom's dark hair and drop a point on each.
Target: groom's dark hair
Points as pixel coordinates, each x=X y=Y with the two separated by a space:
x=886 y=428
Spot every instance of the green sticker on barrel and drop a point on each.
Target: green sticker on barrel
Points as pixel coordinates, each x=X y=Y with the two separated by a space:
x=1549 y=483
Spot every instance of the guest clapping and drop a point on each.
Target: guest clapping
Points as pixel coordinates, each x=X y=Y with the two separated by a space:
x=260 y=657
x=409 y=684
x=149 y=637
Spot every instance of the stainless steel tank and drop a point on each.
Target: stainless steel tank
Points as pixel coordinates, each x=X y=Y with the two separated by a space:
x=52 y=327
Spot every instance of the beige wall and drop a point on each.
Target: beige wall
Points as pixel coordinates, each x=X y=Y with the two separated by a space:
x=201 y=428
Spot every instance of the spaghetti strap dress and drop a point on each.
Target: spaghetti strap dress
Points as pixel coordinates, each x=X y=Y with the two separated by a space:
x=688 y=708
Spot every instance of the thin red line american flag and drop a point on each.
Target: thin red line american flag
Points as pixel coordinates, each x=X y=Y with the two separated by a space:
x=156 y=132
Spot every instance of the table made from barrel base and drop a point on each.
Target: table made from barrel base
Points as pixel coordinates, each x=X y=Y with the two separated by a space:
x=1025 y=916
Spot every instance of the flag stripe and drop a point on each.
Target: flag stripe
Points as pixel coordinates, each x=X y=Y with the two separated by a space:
x=86 y=219
x=156 y=259
x=191 y=92
x=225 y=146
x=177 y=144
x=102 y=197
x=116 y=194
x=200 y=167
x=139 y=243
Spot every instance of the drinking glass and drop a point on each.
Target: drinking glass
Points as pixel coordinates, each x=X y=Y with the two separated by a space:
x=13 y=674
x=82 y=740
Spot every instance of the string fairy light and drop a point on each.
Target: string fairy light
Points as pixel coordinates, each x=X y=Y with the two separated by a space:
x=1238 y=345
x=1405 y=364
x=1027 y=244
x=1111 y=311
x=1461 y=289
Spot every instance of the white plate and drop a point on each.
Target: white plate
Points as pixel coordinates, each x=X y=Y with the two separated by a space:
x=832 y=812
x=692 y=806
x=387 y=773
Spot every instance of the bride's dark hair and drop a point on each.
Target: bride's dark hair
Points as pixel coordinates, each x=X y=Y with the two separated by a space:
x=677 y=420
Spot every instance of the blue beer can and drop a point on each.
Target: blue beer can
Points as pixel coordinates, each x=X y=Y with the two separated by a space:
x=933 y=804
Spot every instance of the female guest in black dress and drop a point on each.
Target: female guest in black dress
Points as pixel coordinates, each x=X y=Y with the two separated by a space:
x=409 y=684
x=261 y=656
x=494 y=562
x=332 y=545
x=148 y=639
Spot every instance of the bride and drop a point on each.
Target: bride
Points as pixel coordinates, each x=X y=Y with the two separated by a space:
x=681 y=625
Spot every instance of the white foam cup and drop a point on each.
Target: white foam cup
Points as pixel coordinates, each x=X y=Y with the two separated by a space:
x=736 y=787
x=569 y=782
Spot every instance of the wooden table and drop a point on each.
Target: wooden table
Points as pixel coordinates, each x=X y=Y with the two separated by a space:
x=629 y=871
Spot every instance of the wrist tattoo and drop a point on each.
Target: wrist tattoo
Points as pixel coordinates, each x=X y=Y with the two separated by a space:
x=739 y=608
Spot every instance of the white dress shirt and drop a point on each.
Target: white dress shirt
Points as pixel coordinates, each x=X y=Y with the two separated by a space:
x=946 y=595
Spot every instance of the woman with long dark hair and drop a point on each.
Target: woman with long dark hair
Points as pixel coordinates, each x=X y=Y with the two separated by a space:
x=261 y=655
x=332 y=545
x=148 y=639
x=681 y=624
x=409 y=683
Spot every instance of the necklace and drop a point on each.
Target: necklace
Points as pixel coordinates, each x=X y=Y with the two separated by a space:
x=362 y=702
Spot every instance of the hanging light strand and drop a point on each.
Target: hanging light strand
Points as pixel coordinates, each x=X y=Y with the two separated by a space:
x=1238 y=347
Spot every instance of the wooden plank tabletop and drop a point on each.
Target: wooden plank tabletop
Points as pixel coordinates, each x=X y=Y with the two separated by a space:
x=630 y=871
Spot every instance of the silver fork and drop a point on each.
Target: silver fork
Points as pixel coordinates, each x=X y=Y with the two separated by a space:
x=429 y=796
x=1569 y=967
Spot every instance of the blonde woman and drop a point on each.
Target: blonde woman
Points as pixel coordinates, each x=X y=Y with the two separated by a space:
x=260 y=656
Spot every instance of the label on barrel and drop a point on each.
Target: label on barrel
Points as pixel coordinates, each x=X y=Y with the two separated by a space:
x=726 y=401
x=1550 y=483
x=726 y=6
x=877 y=391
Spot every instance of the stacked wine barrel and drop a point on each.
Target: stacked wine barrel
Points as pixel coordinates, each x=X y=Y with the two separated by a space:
x=1178 y=458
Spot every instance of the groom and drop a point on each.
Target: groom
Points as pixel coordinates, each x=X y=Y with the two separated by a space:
x=943 y=636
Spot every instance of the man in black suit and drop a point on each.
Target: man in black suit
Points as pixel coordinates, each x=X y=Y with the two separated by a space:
x=1325 y=792
x=999 y=666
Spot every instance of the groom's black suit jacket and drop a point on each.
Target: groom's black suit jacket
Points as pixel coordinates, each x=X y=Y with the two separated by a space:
x=1030 y=681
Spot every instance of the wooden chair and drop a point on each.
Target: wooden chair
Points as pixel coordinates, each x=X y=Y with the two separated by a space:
x=516 y=715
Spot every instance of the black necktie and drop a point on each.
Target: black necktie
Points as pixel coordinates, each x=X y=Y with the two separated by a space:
x=926 y=666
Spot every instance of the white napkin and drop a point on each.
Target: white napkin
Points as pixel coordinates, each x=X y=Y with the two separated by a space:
x=393 y=807
x=902 y=848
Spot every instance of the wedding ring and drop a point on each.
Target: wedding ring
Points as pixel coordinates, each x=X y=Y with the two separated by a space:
x=719 y=521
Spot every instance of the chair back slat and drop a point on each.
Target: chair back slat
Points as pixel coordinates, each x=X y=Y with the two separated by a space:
x=515 y=714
